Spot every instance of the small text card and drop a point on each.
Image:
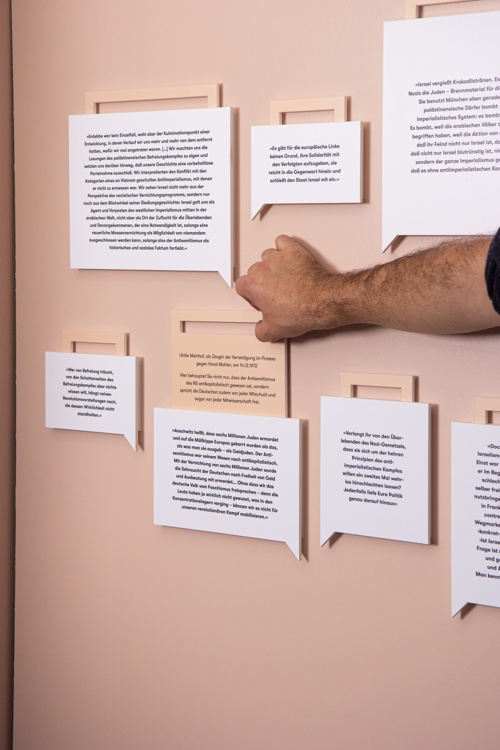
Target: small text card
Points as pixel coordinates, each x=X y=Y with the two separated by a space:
x=318 y=163
x=375 y=469
x=92 y=393
x=152 y=190
x=441 y=139
x=475 y=515
x=228 y=473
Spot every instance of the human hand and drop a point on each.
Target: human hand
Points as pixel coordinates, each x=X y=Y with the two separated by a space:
x=287 y=287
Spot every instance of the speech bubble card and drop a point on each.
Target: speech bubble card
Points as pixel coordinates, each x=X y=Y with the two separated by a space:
x=475 y=515
x=441 y=134
x=375 y=469
x=216 y=368
x=152 y=191
x=92 y=393
x=317 y=163
x=228 y=473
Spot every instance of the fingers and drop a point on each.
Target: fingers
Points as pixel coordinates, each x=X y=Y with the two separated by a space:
x=241 y=281
x=265 y=333
x=253 y=268
x=267 y=253
x=283 y=242
x=265 y=285
x=260 y=332
x=240 y=286
x=247 y=286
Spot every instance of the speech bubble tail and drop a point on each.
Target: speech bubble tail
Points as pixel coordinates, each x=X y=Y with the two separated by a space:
x=387 y=239
x=227 y=274
x=256 y=207
x=294 y=547
x=457 y=605
x=325 y=535
x=131 y=437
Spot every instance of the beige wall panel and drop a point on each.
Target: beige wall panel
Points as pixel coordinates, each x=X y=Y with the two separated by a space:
x=133 y=636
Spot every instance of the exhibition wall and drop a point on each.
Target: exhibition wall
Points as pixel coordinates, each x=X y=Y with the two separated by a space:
x=134 y=635
x=6 y=381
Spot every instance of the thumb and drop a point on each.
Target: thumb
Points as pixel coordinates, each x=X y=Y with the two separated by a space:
x=283 y=241
x=262 y=331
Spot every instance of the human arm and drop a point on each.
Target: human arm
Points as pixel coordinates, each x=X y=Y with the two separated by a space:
x=438 y=290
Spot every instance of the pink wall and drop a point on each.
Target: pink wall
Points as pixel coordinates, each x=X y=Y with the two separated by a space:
x=6 y=380
x=134 y=636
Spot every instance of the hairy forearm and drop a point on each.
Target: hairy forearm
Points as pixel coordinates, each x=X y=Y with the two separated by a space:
x=440 y=290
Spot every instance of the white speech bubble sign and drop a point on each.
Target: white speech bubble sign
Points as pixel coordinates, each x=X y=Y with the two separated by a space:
x=152 y=191
x=441 y=134
x=316 y=163
x=228 y=473
x=375 y=469
x=92 y=393
x=475 y=515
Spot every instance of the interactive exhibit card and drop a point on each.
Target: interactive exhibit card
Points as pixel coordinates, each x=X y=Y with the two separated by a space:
x=441 y=140
x=318 y=163
x=214 y=370
x=152 y=191
x=375 y=469
x=92 y=393
x=475 y=515
x=228 y=473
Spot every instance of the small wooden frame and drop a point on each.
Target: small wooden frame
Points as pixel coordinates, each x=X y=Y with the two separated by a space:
x=279 y=107
x=209 y=90
x=349 y=380
x=412 y=8
x=119 y=339
x=482 y=407
x=180 y=317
